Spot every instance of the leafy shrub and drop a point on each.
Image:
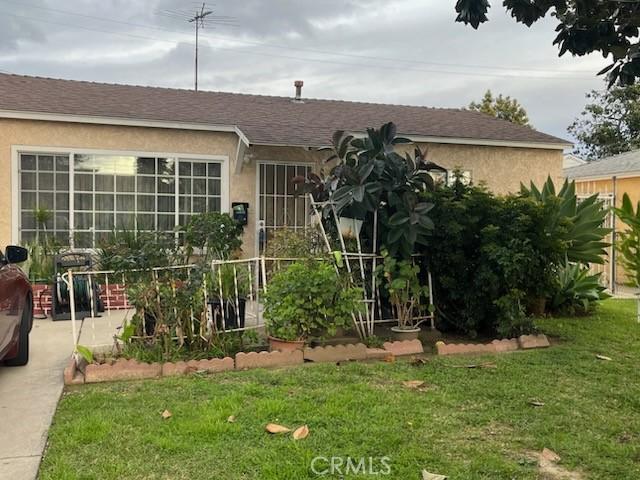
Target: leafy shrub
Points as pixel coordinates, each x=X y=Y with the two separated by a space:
x=484 y=248
x=512 y=320
x=295 y=243
x=127 y=250
x=307 y=297
x=215 y=234
x=576 y=291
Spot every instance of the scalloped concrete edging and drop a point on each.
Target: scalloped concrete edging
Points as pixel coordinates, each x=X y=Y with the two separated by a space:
x=336 y=353
x=78 y=372
x=523 y=342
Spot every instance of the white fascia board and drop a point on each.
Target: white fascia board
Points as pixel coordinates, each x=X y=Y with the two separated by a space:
x=128 y=122
x=600 y=176
x=479 y=141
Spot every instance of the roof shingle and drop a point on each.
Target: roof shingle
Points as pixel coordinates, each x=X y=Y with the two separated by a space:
x=267 y=120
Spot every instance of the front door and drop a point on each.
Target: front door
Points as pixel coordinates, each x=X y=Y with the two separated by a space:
x=279 y=206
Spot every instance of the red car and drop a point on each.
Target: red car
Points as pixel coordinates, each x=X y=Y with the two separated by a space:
x=16 y=308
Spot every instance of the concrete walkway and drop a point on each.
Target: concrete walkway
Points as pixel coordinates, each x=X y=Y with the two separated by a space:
x=28 y=399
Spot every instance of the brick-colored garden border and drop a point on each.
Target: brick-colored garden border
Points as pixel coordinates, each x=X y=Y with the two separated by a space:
x=123 y=369
x=523 y=342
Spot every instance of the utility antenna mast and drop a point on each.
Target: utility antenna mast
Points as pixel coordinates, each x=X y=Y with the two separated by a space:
x=198 y=20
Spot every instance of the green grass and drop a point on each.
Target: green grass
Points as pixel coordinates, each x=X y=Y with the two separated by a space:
x=469 y=423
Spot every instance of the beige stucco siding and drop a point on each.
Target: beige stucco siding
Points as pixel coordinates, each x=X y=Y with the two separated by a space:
x=502 y=169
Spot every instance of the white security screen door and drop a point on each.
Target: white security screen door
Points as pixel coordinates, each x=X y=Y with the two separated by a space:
x=279 y=207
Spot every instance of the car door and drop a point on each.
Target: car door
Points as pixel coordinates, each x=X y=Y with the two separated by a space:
x=8 y=322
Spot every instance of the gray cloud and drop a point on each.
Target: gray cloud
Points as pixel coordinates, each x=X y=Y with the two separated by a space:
x=403 y=51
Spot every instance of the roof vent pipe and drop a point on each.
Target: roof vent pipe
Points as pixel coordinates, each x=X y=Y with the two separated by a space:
x=298 y=84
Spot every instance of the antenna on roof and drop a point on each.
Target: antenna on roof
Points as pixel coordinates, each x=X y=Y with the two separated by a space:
x=198 y=20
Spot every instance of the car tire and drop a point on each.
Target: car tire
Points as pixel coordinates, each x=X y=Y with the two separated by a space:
x=23 y=339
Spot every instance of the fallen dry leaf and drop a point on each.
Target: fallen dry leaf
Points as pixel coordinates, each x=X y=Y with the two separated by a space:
x=417 y=362
x=432 y=476
x=231 y=419
x=414 y=384
x=166 y=414
x=603 y=357
x=549 y=455
x=275 y=428
x=390 y=358
x=536 y=403
x=300 y=433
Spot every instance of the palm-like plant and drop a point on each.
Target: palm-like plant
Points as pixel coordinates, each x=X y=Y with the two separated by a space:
x=629 y=242
x=579 y=224
x=576 y=289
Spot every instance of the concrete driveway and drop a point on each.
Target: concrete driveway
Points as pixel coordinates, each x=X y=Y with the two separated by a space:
x=28 y=399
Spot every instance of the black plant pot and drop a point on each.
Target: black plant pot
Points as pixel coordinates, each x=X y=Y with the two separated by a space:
x=230 y=317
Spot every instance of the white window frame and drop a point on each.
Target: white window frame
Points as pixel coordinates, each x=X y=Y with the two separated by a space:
x=16 y=150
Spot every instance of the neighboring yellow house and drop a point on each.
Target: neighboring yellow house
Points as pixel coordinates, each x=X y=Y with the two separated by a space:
x=611 y=178
x=100 y=156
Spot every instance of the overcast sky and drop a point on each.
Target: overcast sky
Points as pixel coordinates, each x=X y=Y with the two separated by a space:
x=405 y=51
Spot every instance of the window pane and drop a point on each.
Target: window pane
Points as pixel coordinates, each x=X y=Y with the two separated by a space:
x=83 y=182
x=62 y=201
x=104 y=202
x=147 y=184
x=199 y=169
x=166 y=204
x=147 y=165
x=280 y=179
x=83 y=201
x=146 y=222
x=45 y=181
x=104 y=221
x=83 y=163
x=199 y=204
x=27 y=220
x=28 y=200
x=45 y=163
x=62 y=181
x=125 y=221
x=166 y=222
x=62 y=164
x=28 y=236
x=62 y=237
x=62 y=220
x=104 y=183
x=83 y=221
x=28 y=162
x=214 y=205
x=214 y=169
x=166 y=166
x=146 y=203
x=199 y=186
x=28 y=181
x=269 y=179
x=45 y=200
x=125 y=203
x=214 y=187
x=185 y=204
x=125 y=183
x=185 y=185
x=185 y=168
x=166 y=185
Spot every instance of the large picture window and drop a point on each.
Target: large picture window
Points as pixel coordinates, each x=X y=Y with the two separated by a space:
x=87 y=196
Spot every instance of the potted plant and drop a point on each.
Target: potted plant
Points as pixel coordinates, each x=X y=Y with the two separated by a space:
x=406 y=294
x=307 y=297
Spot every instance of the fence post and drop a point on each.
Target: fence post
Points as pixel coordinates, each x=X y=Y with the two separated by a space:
x=72 y=309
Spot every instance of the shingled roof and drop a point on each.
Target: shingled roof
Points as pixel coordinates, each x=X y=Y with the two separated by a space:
x=621 y=164
x=264 y=120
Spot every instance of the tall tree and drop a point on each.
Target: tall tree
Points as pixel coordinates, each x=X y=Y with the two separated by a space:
x=609 y=123
x=610 y=27
x=506 y=108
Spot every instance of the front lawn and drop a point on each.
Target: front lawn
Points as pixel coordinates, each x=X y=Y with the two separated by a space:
x=467 y=423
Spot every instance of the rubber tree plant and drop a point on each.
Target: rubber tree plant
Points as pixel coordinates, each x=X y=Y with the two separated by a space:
x=369 y=174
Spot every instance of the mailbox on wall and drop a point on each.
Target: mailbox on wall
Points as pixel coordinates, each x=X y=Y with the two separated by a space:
x=240 y=212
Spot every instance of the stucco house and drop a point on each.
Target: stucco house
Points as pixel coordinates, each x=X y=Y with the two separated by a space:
x=610 y=178
x=101 y=156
